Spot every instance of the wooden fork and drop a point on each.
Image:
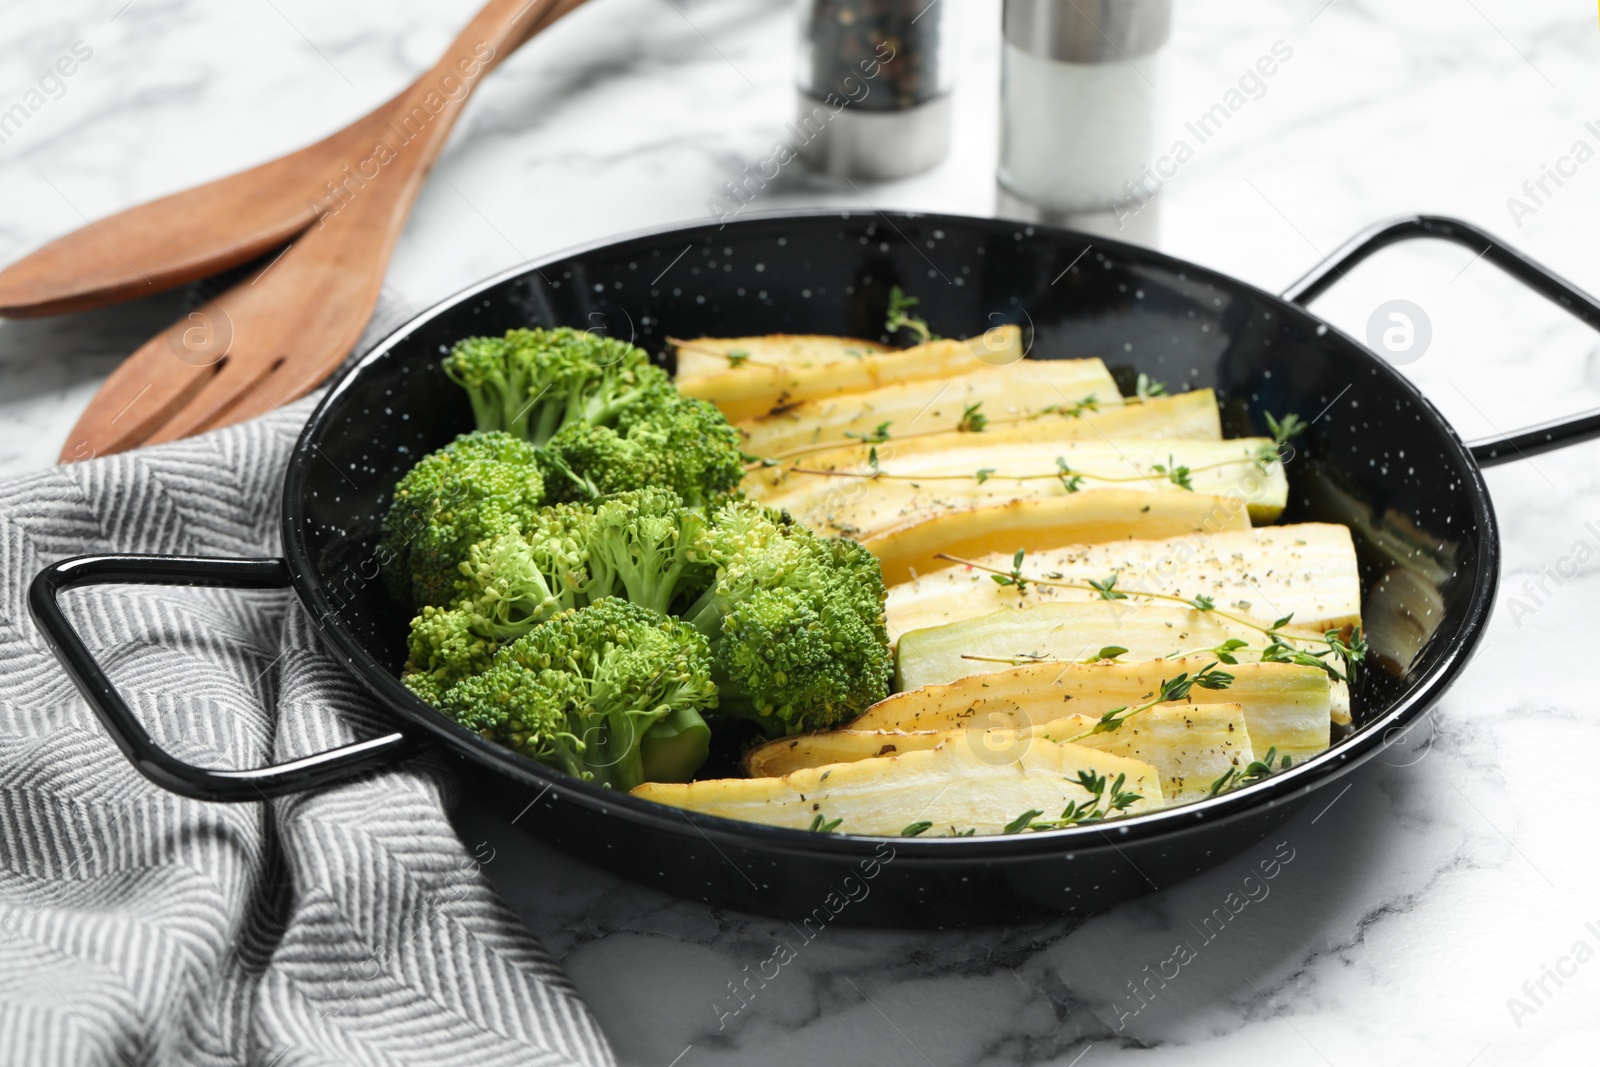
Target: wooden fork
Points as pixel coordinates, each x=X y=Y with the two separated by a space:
x=276 y=336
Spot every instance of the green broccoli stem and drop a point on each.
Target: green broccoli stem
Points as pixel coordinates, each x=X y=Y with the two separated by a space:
x=617 y=758
x=674 y=748
x=706 y=613
x=515 y=417
x=566 y=751
x=487 y=411
x=621 y=765
x=653 y=590
x=551 y=416
x=603 y=410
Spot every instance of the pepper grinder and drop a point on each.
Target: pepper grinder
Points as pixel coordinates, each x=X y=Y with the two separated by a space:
x=1078 y=111
x=874 y=92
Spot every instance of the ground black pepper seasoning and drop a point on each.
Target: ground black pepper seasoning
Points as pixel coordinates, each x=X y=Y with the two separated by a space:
x=850 y=37
x=875 y=79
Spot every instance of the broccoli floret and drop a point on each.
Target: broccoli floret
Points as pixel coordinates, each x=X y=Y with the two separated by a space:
x=796 y=621
x=704 y=453
x=645 y=546
x=585 y=690
x=479 y=485
x=681 y=443
x=779 y=626
x=513 y=582
x=508 y=584
x=444 y=649
x=531 y=712
x=639 y=545
x=606 y=419
x=531 y=383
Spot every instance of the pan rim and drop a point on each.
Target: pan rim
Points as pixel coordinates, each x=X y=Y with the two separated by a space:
x=1286 y=788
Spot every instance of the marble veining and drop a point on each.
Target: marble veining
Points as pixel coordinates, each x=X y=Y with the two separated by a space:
x=1432 y=912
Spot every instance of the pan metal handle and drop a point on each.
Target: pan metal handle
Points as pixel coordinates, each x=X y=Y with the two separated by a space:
x=1544 y=437
x=156 y=764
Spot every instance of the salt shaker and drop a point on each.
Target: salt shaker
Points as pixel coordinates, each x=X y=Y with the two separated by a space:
x=1078 y=103
x=875 y=81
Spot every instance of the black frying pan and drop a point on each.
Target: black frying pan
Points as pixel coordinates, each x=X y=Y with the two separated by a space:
x=1425 y=530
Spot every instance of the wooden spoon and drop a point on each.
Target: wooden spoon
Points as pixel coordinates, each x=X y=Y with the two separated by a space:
x=275 y=337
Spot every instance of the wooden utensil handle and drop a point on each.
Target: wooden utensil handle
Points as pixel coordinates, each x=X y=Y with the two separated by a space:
x=283 y=332
x=209 y=228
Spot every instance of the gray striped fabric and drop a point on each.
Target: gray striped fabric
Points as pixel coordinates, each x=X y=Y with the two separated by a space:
x=346 y=927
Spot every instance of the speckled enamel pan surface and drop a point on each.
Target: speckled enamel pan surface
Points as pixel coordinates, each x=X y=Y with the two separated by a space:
x=1378 y=456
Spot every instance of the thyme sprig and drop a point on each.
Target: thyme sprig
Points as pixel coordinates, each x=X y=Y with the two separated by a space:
x=1282 y=432
x=1015 y=577
x=1254 y=771
x=1145 y=387
x=1071 y=478
x=1069 y=481
x=1172 y=690
x=1096 y=807
x=1075 y=410
x=1072 y=410
x=972 y=419
x=1349 y=652
x=1179 y=476
x=1107 y=588
x=878 y=436
x=822 y=825
x=900 y=317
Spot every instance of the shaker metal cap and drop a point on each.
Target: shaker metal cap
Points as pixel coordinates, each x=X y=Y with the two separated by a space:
x=1088 y=31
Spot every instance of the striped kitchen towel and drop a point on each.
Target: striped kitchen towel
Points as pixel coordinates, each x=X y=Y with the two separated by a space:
x=349 y=926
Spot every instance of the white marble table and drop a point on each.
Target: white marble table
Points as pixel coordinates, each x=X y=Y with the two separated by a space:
x=1448 y=875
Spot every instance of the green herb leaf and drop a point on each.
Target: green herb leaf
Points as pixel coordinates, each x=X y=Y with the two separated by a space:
x=1015 y=578
x=1146 y=386
x=916 y=829
x=1020 y=823
x=1224 y=782
x=1107 y=589
x=1290 y=427
x=1074 y=410
x=879 y=434
x=1254 y=771
x=972 y=420
x=1177 y=475
x=1110 y=721
x=900 y=318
